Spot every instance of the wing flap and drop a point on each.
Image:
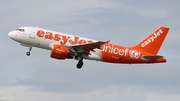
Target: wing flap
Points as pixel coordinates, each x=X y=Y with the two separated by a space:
x=88 y=47
x=91 y=45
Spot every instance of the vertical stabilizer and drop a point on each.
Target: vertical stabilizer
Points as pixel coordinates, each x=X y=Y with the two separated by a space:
x=153 y=42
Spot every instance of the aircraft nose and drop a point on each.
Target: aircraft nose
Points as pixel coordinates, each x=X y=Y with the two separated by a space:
x=11 y=34
x=14 y=35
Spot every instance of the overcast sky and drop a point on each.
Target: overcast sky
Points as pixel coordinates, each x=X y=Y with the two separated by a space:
x=124 y=22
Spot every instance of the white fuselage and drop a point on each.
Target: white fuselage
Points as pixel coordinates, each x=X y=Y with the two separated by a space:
x=28 y=36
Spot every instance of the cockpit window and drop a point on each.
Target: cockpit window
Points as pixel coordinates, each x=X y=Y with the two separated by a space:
x=21 y=30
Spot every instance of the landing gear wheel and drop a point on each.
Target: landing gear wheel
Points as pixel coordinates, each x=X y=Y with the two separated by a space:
x=80 y=64
x=28 y=53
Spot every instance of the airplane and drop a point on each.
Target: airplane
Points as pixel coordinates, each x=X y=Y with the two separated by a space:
x=65 y=46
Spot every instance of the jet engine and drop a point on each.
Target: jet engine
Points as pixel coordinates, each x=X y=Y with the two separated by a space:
x=60 y=52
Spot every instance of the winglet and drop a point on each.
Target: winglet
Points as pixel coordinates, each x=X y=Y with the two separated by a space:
x=107 y=42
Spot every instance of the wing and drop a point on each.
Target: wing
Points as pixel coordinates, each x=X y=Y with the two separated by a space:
x=86 y=48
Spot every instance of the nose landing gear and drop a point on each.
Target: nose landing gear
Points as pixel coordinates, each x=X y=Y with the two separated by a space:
x=29 y=52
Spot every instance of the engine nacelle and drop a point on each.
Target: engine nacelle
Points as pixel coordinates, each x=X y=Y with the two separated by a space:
x=60 y=52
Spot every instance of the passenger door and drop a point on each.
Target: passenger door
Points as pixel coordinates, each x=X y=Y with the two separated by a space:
x=32 y=34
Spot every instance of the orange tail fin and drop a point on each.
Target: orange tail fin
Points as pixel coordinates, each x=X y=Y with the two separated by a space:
x=153 y=42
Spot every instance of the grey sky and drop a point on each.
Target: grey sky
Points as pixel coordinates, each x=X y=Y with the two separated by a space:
x=41 y=78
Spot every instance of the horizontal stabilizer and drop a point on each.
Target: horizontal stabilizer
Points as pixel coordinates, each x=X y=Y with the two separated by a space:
x=152 y=57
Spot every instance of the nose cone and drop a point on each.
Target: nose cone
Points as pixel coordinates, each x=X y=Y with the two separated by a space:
x=14 y=35
x=11 y=34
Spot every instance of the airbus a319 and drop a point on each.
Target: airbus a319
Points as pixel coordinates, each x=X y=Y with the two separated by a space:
x=65 y=46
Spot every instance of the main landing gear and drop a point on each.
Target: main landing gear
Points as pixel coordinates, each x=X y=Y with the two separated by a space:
x=29 y=52
x=80 y=63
